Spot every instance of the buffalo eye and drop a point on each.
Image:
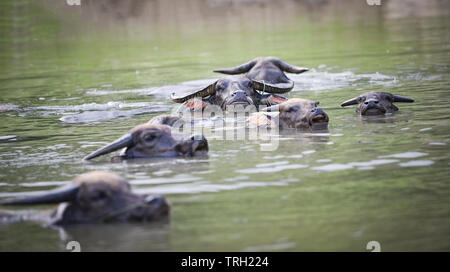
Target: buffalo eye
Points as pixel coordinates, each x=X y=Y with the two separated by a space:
x=220 y=86
x=149 y=137
x=361 y=99
x=98 y=195
x=292 y=109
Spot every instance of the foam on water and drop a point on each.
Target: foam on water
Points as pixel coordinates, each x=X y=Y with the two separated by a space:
x=272 y=169
x=416 y=163
x=92 y=106
x=406 y=155
x=97 y=116
x=366 y=165
x=332 y=167
x=201 y=186
x=7 y=137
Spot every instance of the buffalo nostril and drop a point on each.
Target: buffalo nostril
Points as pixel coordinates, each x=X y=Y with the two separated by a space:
x=366 y=103
x=376 y=101
x=154 y=200
x=198 y=137
x=318 y=110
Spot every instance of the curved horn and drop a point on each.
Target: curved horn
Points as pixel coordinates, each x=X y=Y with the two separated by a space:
x=290 y=68
x=65 y=194
x=243 y=68
x=353 y=101
x=273 y=88
x=210 y=90
x=124 y=141
x=398 y=98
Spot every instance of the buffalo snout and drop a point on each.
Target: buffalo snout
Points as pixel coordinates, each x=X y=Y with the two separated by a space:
x=195 y=145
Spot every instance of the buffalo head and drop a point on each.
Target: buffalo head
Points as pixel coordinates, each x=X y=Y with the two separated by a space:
x=98 y=197
x=153 y=140
x=268 y=71
x=376 y=103
x=236 y=90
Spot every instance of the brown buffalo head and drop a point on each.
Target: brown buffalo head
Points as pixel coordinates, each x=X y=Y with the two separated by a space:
x=376 y=103
x=268 y=71
x=300 y=113
x=98 y=197
x=235 y=90
x=153 y=140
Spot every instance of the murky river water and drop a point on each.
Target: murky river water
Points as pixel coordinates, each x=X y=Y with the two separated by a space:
x=64 y=94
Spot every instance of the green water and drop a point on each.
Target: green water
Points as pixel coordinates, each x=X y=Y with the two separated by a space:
x=76 y=85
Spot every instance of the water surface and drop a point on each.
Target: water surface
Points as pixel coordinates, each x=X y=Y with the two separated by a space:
x=67 y=90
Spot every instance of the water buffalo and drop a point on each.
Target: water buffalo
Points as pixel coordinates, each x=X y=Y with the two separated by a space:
x=295 y=113
x=232 y=90
x=95 y=197
x=154 y=140
x=267 y=73
x=376 y=103
x=264 y=74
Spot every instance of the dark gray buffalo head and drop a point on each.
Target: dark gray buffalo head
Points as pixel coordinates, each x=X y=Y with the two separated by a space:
x=98 y=197
x=153 y=140
x=267 y=72
x=376 y=103
x=236 y=90
x=301 y=114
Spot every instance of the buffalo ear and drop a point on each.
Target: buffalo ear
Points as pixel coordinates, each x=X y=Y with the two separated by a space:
x=272 y=99
x=195 y=104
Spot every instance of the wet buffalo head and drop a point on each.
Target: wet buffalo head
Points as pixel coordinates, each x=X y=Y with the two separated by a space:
x=268 y=71
x=234 y=90
x=376 y=103
x=153 y=140
x=301 y=113
x=98 y=197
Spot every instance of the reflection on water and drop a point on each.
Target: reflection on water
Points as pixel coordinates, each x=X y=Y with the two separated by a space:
x=67 y=90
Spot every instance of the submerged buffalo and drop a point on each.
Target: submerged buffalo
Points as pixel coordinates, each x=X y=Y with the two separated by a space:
x=264 y=80
x=93 y=197
x=231 y=91
x=154 y=140
x=294 y=113
x=267 y=73
x=376 y=103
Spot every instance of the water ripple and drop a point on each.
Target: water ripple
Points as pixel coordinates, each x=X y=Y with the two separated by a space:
x=405 y=155
x=416 y=163
x=271 y=169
